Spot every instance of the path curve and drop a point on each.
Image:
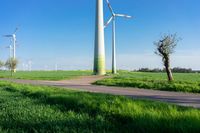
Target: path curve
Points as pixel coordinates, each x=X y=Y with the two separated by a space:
x=84 y=84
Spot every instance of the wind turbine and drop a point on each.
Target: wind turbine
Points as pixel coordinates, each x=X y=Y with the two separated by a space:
x=113 y=20
x=99 y=50
x=13 y=37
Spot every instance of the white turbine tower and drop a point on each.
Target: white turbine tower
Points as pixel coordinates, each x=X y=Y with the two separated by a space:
x=30 y=63
x=23 y=66
x=99 y=51
x=13 y=37
x=113 y=19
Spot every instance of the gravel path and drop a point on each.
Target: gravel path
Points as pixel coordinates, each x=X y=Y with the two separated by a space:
x=84 y=84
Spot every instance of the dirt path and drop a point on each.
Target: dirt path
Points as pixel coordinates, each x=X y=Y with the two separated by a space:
x=84 y=84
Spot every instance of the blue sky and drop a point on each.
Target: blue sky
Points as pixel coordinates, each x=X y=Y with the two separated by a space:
x=62 y=32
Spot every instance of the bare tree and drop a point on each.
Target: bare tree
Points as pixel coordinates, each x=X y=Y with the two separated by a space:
x=164 y=48
x=11 y=64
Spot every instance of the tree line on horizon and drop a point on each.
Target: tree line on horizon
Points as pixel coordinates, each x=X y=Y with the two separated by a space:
x=175 y=70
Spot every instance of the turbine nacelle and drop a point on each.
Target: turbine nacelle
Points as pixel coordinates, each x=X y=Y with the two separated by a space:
x=14 y=36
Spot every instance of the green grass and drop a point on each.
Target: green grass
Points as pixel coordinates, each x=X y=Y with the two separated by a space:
x=184 y=82
x=44 y=75
x=25 y=108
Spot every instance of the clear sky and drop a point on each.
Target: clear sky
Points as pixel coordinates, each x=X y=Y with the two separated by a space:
x=62 y=32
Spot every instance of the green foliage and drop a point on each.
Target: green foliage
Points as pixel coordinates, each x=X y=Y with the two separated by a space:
x=166 y=45
x=183 y=82
x=11 y=63
x=45 y=75
x=25 y=108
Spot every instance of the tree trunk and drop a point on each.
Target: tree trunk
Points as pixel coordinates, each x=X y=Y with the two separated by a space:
x=168 y=69
x=169 y=74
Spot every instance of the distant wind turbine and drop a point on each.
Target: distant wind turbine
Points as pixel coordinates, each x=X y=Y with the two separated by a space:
x=23 y=66
x=112 y=19
x=30 y=62
x=13 y=37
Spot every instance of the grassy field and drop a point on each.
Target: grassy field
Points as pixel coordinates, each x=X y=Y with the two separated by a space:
x=44 y=75
x=184 y=82
x=25 y=108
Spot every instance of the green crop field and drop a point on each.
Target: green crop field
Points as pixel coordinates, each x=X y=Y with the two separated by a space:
x=25 y=108
x=44 y=75
x=184 y=82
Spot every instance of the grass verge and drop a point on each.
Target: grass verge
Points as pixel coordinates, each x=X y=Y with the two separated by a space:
x=155 y=81
x=45 y=75
x=25 y=108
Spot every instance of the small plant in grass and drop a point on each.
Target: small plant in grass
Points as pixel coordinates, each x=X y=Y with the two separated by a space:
x=11 y=64
x=164 y=48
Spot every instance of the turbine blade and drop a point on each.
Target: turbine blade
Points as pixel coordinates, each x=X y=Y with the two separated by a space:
x=10 y=47
x=16 y=30
x=123 y=15
x=7 y=35
x=110 y=7
x=108 y=22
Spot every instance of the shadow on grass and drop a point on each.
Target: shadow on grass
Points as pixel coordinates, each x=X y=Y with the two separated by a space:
x=57 y=126
x=99 y=119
